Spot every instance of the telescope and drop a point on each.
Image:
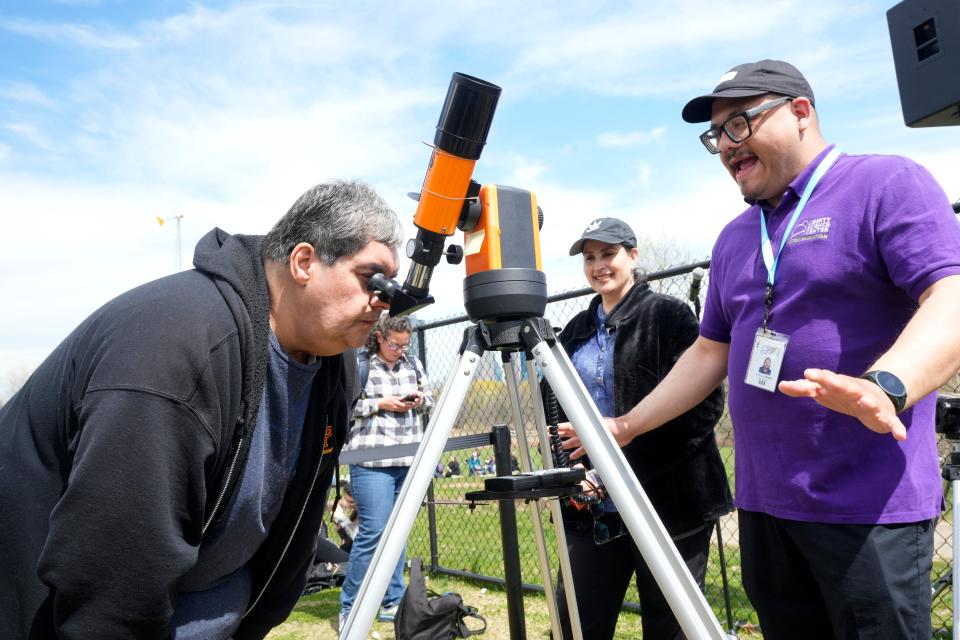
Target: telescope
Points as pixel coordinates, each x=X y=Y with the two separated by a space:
x=448 y=195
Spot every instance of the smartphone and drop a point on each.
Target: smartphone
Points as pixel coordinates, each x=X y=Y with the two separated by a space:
x=410 y=397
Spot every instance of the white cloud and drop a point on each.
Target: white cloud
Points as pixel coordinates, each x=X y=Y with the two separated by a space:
x=65 y=33
x=31 y=133
x=614 y=139
x=26 y=93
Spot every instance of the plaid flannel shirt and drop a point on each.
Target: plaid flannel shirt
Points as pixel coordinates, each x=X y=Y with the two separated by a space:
x=373 y=428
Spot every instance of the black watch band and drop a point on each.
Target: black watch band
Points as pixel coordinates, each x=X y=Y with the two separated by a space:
x=890 y=385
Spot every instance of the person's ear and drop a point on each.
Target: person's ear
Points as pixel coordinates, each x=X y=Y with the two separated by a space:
x=301 y=262
x=802 y=110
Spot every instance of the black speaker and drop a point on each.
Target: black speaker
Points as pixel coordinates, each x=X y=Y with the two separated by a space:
x=925 y=37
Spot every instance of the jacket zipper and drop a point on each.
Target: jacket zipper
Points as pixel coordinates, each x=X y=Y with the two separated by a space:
x=229 y=478
x=293 y=531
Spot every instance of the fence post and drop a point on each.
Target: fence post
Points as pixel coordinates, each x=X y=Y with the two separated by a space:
x=431 y=496
x=508 y=535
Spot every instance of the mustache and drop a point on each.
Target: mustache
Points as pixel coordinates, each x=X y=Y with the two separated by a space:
x=736 y=155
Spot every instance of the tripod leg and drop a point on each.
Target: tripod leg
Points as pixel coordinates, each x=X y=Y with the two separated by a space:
x=668 y=568
x=536 y=518
x=388 y=551
x=566 y=569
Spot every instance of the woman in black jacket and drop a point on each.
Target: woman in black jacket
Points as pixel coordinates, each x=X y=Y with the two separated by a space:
x=622 y=346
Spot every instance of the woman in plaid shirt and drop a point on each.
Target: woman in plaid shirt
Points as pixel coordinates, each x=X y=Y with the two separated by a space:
x=388 y=413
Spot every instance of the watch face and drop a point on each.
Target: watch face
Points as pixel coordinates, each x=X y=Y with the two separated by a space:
x=890 y=383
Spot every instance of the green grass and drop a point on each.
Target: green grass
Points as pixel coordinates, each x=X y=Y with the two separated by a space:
x=315 y=616
x=469 y=540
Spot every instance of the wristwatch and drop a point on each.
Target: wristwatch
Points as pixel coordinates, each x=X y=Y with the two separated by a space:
x=890 y=385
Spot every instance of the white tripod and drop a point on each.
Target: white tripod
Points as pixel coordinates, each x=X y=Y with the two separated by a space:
x=535 y=336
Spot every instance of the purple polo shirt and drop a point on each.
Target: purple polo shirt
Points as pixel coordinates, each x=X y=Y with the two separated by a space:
x=877 y=231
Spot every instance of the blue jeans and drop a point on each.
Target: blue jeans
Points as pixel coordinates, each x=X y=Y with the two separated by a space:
x=375 y=491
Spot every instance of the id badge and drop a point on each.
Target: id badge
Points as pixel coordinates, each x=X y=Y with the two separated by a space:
x=763 y=370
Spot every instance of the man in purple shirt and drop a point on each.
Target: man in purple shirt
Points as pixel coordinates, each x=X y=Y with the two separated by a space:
x=844 y=275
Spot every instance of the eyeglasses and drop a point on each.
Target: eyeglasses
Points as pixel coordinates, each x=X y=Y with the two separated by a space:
x=602 y=533
x=396 y=347
x=737 y=127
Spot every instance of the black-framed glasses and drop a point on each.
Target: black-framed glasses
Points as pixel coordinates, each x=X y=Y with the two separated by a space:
x=737 y=127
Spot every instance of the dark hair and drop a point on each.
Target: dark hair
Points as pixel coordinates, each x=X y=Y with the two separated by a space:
x=338 y=218
x=384 y=325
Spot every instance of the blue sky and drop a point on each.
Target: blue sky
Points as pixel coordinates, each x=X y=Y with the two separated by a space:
x=114 y=112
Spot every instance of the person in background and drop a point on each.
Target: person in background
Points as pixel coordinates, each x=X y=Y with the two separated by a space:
x=475 y=463
x=621 y=346
x=346 y=518
x=389 y=412
x=453 y=468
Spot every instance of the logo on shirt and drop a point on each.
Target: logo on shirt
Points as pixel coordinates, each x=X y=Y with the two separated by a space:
x=815 y=229
x=327 y=438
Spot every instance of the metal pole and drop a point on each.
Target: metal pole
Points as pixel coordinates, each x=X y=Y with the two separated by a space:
x=526 y=464
x=566 y=569
x=179 y=251
x=955 y=500
x=432 y=520
x=508 y=536
x=723 y=578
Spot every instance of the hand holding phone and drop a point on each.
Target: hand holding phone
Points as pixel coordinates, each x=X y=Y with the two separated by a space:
x=410 y=397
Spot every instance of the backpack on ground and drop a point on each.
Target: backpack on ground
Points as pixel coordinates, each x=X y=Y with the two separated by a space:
x=426 y=615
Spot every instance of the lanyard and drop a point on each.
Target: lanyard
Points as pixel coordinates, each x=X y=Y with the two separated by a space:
x=766 y=250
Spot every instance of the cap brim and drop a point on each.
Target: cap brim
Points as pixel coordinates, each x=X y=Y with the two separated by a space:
x=700 y=109
x=577 y=247
x=612 y=238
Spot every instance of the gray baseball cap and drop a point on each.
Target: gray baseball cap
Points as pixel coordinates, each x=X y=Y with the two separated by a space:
x=751 y=79
x=609 y=230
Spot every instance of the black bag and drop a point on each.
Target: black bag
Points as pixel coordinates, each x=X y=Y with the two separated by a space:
x=425 y=615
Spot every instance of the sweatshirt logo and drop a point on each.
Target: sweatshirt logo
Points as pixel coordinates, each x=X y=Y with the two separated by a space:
x=815 y=229
x=327 y=438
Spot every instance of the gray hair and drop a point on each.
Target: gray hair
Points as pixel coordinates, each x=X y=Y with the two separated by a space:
x=338 y=218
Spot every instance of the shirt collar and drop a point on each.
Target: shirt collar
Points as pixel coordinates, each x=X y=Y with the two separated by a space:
x=798 y=184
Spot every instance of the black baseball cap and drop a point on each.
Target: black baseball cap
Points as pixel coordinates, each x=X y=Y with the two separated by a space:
x=609 y=230
x=751 y=79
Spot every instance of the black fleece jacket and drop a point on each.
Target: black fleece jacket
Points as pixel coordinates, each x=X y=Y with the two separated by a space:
x=678 y=464
x=125 y=446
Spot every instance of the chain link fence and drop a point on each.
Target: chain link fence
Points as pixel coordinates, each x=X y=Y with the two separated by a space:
x=457 y=538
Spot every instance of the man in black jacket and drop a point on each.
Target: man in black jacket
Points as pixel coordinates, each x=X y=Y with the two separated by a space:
x=162 y=472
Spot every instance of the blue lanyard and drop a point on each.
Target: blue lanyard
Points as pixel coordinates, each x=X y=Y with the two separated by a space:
x=766 y=250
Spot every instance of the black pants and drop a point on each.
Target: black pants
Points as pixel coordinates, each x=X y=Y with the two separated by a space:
x=602 y=573
x=813 y=580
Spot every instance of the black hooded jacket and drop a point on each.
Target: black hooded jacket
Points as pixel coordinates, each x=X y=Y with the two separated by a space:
x=678 y=464
x=125 y=446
